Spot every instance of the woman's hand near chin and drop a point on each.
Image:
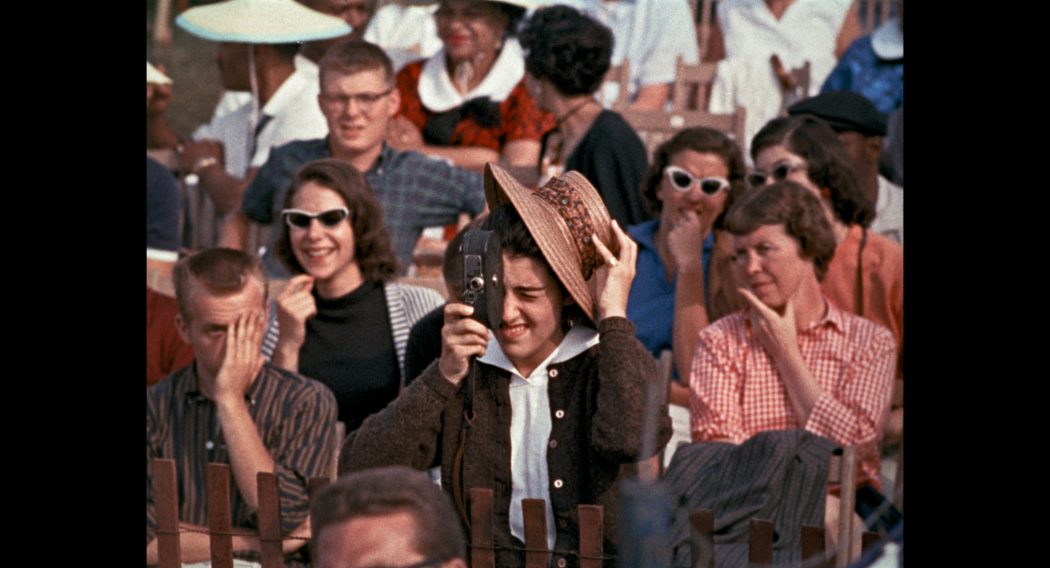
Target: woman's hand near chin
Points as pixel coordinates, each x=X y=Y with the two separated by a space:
x=295 y=305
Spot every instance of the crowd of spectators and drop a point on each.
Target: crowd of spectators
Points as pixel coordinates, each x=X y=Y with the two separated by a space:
x=769 y=268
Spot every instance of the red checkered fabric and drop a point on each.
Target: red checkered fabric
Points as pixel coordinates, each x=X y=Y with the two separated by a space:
x=736 y=391
x=520 y=118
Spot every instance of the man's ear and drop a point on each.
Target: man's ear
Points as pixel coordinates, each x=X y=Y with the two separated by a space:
x=395 y=98
x=182 y=326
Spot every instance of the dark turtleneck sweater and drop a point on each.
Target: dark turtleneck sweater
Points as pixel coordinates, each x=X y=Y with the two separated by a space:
x=349 y=347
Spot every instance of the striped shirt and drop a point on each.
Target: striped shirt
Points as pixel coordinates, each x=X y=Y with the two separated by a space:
x=736 y=391
x=295 y=417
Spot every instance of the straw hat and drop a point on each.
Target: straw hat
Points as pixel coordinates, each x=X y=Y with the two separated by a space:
x=153 y=75
x=261 y=21
x=561 y=216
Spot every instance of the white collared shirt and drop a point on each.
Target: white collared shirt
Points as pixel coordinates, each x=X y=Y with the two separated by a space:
x=438 y=94
x=296 y=116
x=530 y=425
x=889 y=211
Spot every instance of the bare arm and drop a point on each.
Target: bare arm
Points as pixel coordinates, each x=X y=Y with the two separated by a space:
x=651 y=97
x=850 y=30
x=248 y=454
x=295 y=305
x=685 y=242
x=158 y=133
x=471 y=158
x=225 y=190
x=234 y=230
x=206 y=158
x=521 y=153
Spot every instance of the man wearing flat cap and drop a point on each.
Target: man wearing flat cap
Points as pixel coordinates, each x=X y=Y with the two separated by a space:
x=552 y=406
x=861 y=128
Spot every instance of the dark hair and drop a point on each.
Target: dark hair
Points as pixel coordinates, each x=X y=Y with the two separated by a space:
x=514 y=16
x=516 y=240
x=221 y=271
x=704 y=141
x=828 y=163
x=373 y=252
x=568 y=48
x=789 y=204
x=514 y=234
x=285 y=50
x=389 y=490
x=353 y=56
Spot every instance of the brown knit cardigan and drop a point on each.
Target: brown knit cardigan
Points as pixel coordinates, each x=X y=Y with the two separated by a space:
x=597 y=400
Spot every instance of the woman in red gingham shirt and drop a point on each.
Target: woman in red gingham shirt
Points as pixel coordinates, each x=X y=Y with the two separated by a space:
x=791 y=359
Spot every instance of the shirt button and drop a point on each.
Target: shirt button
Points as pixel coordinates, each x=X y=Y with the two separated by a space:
x=561 y=563
x=562 y=523
x=558 y=483
x=553 y=444
x=559 y=414
x=553 y=373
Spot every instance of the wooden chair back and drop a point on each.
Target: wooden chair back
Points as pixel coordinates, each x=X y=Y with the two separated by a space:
x=843 y=471
x=655 y=127
x=692 y=86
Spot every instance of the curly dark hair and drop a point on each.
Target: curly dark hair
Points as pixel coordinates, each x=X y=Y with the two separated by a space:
x=704 y=141
x=568 y=48
x=828 y=165
x=373 y=252
x=515 y=14
x=789 y=204
x=516 y=240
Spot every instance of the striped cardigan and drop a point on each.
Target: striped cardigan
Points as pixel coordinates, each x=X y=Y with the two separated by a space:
x=405 y=304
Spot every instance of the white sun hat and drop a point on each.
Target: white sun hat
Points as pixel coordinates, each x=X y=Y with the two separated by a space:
x=527 y=4
x=261 y=21
x=153 y=75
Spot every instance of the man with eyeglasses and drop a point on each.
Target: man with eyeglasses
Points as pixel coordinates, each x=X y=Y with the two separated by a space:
x=231 y=407
x=258 y=43
x=358 y=100
x=389 y=517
